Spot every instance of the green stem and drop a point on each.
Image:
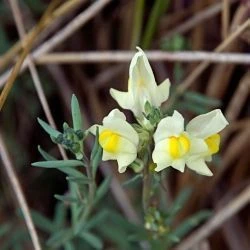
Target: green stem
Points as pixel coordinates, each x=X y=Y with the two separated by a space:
x=146 y=189
x=137 y=23
x=91 y=198
x=92 y=185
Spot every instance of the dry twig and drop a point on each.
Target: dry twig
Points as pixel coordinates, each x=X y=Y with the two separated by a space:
x=217 y=220
x=15 y=70
x=19 y=194
x=49 y=21
x=34 y=74
x=61 y=35
x=125 y=56
x=196 y=19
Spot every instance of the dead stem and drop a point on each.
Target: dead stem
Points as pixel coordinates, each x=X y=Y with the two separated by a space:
x=125 y=56
x=15 y=70
x=19 y=194
x=61 y=35
x=234 y=206
x=34 y=74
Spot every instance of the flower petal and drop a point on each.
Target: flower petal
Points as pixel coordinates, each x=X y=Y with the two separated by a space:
x=200 y=167
x=198 y=149
x=179 y=165
x=160 y=155
x=124 y=99
x=116 y=121
x=169 y=126
x=140 y=70
x=115 y=113
x=161 y=93
x=208 y=124
x=124 y=160
x=161 y=167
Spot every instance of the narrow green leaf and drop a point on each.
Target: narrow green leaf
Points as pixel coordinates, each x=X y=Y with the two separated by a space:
x=42 y=222
x=133 y=181
x=79 y=180
x=60 y=238
x=58 y=164
x=157 y=11
x=190 y=223
x=96 y=160
x=69 y=246
x=92 y=239
x=195 y=108
x=201 y=99
x=45 y=155
x=96 y=220
x=96 y=154
x=66 y=198
x=51 y=131
x=178 y=204
x=102 y=190
x=60 y=215
x=71 y=172
x=76 y=114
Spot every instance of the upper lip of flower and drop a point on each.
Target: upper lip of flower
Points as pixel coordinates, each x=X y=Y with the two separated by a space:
x=142 y=87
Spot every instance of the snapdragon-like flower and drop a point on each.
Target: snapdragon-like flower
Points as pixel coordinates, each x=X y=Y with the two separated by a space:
x=118 y=139
x=141 y=87
x=176 y=147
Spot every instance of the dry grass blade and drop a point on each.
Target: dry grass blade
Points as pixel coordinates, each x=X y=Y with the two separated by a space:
x=19 y=194
x=197 y=19
x=63 y=34
x=125 y=56
x=59 y=12
x=217 y=220
x=33 y=71
x=225 y=19
x=202 y=66
x=18 y=65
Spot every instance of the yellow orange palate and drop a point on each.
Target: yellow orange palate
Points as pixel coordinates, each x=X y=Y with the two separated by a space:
x=109 y=140
x=213 y=143
x=178 y=146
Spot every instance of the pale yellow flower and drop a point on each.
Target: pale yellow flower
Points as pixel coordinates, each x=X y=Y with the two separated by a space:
x=176 y=147
x=118 y=139
x=142 y=87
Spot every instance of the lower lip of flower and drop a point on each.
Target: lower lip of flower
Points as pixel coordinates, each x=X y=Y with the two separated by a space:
x=178 y=146
x=109 y=140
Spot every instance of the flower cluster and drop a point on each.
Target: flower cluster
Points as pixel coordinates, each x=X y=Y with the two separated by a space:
x=174 y=145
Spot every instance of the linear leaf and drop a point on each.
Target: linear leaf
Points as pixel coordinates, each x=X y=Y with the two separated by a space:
x=71 y=172
x=198 y=98
x=178 y=204
x=79 y=180
x=102 y=190
x=42 y=222
x=45 y=155
x=191 y=223
x=66 y=198
x=96 y=154
x=58 y=164
x=76 y=114
x=51 y=131
x=60 y=215
x=60 y=238
x=134 y=180
x=92 y=239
